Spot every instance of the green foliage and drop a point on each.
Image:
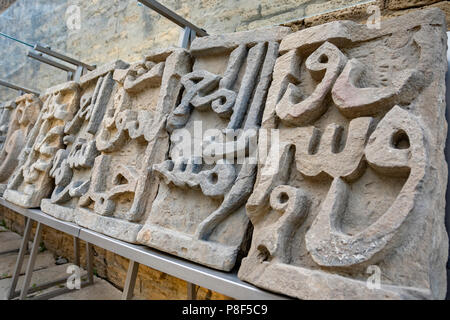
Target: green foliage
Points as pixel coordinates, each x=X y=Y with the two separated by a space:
x=42 y=247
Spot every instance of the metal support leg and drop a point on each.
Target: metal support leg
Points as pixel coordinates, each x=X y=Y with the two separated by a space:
x=76 y=250
x=31 y=261
x=191 y=291
x=187 y=37
x=78 y=73
x=192 y=37
x=130 y=281
x=90 y=262
x=20 y=258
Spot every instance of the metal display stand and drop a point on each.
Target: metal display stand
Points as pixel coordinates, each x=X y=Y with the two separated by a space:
x=21 y=89
x=35 y=215
x=72 y=74
x=190 y=30
x=195 y=274
x=39 y=57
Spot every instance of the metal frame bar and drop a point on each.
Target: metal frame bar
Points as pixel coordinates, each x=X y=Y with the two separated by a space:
x=130 y=280
x=187 y=37
x=63 y=57
x=31 y=262
x=70 y=71
x=37 y=215
x=219 y=281
x=18 y=268
x=23 y=293
x=17 y=87
x=172 y=16
x=191 y=291
x=90 y=262
x=76 y=250
x=57 y=292
x=195 y=274
x=72 y=74
x=33 y=215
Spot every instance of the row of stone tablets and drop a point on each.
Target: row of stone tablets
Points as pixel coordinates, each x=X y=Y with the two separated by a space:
x=349 y=174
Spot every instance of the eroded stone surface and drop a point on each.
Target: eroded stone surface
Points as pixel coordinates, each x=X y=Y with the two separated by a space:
x=6 y=109
x=129 y=141
x=355 y=188
x=23 y=119
x=199 y=211
x=72 y=165
x=31 y=181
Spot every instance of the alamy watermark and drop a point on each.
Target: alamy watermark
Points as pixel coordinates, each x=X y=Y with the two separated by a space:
x=374 y=21
x=74 y=280
x=374 y=280
x=73 y=18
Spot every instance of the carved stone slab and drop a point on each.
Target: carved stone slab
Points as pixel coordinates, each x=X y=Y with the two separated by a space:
x=72 y=166
x=349 y=203
x=32 y=181
x=6 y=109
x=21 y=123
x=129 y=141
x=199 y=211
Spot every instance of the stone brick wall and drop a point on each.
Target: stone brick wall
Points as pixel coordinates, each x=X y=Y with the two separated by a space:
x=119 y=29
x=124 y=30
x=359 y=12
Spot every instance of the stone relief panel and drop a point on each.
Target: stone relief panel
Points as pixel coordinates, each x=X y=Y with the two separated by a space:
x=23 y=119
x=6 y=109
x=350 y=200
x=72 y=165
x=199 y=212
x=130 y=139
x=32 y=181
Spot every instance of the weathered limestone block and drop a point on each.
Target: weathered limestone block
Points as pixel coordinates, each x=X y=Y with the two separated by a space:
x=32 y=181
x=353 y=191
x=22 y=121
x=6 y=109
x=129 y=141
x=199 y=211
x=72 y=166
x=403 y=4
